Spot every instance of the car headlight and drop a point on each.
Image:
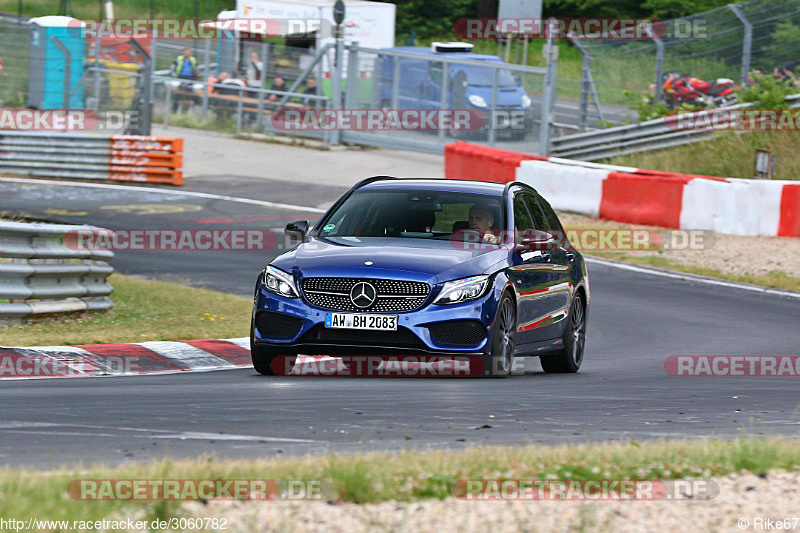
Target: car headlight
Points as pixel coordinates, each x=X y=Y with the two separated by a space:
x=462 y=290
x=476 y=100
x=526 y=100
x=279 y=282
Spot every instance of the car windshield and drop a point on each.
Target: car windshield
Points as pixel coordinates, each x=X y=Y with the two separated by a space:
x=482 y=76
x=415 y=215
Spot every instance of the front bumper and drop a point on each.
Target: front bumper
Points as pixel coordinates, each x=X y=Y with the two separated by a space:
x=414 y=334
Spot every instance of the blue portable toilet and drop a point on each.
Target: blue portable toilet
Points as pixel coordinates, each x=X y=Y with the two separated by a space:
x=55 y=70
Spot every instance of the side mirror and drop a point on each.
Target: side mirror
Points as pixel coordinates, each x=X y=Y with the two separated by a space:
x=296 y=230
x=531 y=240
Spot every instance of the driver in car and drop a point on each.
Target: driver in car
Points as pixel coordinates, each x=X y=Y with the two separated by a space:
x=481 y=220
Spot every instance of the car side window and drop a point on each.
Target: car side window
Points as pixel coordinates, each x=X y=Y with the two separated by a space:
x=550 y=215
x=522 y=219
x=539 y=221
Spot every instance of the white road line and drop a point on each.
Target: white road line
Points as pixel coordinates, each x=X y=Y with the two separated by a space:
x=194 y=435
x=689 y=277
x=166 y=191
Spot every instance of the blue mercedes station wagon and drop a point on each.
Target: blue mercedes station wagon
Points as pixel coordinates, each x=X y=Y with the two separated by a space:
x=426 y=267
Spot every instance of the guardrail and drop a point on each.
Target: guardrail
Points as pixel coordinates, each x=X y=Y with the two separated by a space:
x=41 y=275
x=621 y=140
x=110 y=157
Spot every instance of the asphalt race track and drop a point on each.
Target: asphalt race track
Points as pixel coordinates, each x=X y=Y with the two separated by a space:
x=636 y=320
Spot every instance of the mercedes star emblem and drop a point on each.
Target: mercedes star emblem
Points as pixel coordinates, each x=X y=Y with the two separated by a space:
x=363 y=295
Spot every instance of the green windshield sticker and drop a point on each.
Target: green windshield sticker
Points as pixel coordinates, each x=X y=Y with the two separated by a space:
x=329 y=227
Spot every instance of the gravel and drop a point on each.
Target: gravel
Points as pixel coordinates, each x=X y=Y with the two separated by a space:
x=731 y=254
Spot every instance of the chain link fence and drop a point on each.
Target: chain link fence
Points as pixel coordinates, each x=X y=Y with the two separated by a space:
x=727 y=42
x=14 y=55
x=240 y=86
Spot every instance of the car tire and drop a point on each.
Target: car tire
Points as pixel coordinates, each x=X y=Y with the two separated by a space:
x=263 y=356
x=569 y=359
x=499 y=362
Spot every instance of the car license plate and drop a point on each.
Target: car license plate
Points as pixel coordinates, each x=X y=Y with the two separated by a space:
x=361 y=321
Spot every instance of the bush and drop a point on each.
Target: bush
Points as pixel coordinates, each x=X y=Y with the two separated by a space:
x=768 y=92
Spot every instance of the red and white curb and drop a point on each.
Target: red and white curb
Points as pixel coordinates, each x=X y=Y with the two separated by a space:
x=94 y=360
x=132 y=359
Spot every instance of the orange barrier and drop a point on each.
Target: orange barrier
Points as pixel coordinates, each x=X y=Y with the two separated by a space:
x=482 y=163
x=145 y=158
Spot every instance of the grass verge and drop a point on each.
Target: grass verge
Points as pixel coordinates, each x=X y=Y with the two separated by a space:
x=406 y=476
x=774 y=279
x=144 y=310
x=728 y=154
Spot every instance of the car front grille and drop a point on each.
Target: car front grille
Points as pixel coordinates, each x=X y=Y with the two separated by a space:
x=392 y=296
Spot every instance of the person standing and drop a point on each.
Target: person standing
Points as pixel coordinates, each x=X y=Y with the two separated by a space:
x=185 y=65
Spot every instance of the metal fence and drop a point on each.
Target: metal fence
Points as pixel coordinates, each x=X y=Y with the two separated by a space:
x=727 y=42
x=40 y=274
x=135 y=78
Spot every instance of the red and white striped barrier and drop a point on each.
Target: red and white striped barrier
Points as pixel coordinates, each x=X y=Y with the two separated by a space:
x=639 y=196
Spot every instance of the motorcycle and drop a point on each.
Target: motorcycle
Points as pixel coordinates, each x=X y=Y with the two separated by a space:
x=679 y=90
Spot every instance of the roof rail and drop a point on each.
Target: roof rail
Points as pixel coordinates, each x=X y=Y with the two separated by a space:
x=372 y=179
x=519 y=184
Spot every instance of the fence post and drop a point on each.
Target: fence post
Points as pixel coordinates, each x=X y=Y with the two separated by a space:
x=263 y=80
x=659 y=66
x=445 y=97
x=586 y=66
x=97 y=74
x=239 y=112
x=145 y=120
x=352 y=76
x=336 y=77
x=748 y=42
x=207 y=57
x=167 y=104
x=493 y=105
x=548 y=95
